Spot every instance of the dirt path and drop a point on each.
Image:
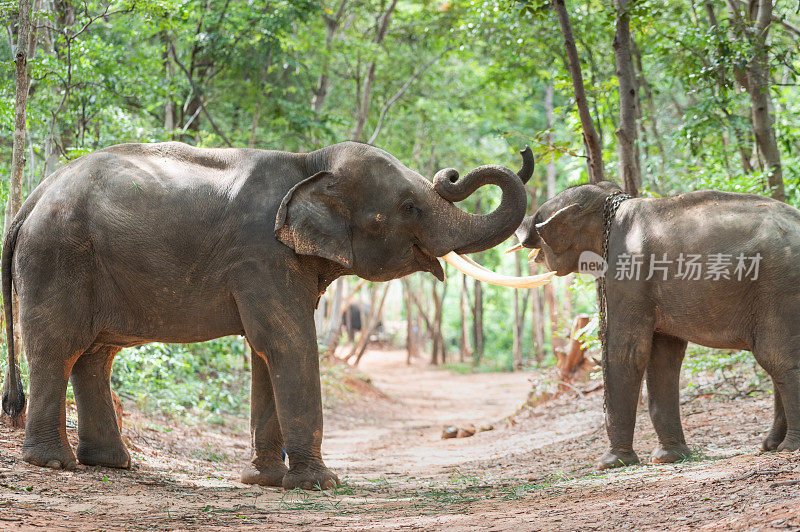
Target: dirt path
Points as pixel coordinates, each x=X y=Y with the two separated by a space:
x=533 y=475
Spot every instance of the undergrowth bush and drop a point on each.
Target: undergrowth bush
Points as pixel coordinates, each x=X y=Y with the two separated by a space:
x=206 y=381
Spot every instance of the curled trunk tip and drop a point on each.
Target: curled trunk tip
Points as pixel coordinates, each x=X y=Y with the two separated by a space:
x=528 y=164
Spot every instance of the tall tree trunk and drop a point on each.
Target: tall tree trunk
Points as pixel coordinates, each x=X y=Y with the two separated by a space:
x=411 y=336
x=22 y=83
x=331 y=26
x=520 y=302
x=477 y=323
x=369 y=325
x=538 y=318
x=464 y=352
x=439 y=349
x=758 y=87
x=594 y=149
x=626 y=132
x=363 y=108
x=330 y=338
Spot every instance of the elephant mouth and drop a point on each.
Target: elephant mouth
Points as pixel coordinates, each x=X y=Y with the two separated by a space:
x=427 y=262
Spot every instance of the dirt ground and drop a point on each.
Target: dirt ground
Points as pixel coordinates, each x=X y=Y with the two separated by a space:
x=534 y=473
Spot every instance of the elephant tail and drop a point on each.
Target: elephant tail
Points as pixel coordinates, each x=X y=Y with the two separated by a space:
x=13 y=394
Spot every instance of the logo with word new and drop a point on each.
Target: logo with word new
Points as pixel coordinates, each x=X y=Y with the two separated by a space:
x=593 y=264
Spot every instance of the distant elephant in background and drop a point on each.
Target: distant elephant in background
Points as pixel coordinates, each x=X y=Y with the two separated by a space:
x=354 y=318
x=142 y=243
x=754 y=304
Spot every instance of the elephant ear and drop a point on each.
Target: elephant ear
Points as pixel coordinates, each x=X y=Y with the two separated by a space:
x=312 y=220
x=557 y=230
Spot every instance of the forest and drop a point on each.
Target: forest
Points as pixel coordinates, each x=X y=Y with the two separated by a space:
x=437 y=84
x=661 y=97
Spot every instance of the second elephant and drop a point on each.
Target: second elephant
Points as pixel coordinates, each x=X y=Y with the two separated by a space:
x=714 y=268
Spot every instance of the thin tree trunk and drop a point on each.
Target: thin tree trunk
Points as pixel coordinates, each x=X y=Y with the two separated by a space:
x=330 y=339
x=363 y=108
x=411 y=340
x=520 y=306
x=331 y=26
x=464 y=352
x=368 y=326
x=538 y=319
x=594 y=149
x=626 y=132
x=758 y=87
x=22 y=82
x=477 y=323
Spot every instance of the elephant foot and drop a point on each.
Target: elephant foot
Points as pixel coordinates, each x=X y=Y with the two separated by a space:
x=108 y=455
x=791 y=442
x=617 y=458
x=52 y=455
x=310 y=477
x=669 y=455
x=269 y=475
x=771 y=443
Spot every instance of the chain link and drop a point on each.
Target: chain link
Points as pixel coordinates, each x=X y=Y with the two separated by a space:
x=610 y=207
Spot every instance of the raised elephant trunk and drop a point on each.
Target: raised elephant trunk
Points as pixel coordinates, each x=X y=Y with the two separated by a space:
x=468 y=233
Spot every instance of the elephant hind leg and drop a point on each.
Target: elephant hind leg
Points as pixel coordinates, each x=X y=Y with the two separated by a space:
x=778 y=430
x=663 y=389
x=267 y=466
x=46 y=441
x=780 y=358
x=99 y=439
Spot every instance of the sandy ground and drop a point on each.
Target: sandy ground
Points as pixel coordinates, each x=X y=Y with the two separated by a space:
x=532 y=473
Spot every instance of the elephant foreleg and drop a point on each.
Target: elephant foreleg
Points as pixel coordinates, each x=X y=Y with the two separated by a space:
x=267 y=466
x=283 y=332
x=663 y=378
x=627 y=356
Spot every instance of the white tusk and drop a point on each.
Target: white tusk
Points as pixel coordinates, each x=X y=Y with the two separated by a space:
x=469 y=259
x=468 y=267
x=532 y=255
x=514 y=248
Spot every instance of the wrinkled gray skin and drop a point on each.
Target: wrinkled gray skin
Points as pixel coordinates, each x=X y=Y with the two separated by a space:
x=650 y=322
x=139 y=243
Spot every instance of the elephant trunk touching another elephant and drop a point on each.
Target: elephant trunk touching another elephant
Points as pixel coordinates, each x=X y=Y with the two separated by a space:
x=141 y=243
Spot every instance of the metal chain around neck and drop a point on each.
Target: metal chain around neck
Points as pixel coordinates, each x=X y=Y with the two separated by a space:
x=612 y=203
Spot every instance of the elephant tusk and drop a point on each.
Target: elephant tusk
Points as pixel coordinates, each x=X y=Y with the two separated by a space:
x=472 y=269
x=518 y=247
x=532 y=255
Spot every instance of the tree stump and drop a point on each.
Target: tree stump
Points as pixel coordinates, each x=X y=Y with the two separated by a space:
x=572 y=362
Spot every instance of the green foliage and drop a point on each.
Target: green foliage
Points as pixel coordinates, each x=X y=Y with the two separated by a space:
x=723 y=373
x=205 y=381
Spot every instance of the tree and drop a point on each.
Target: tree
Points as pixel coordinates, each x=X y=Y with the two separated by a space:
x=754 y=27
x=628 y=102
x=594 y=150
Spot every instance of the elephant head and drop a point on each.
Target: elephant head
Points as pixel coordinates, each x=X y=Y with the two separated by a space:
x=566 y=226
x=364 y=210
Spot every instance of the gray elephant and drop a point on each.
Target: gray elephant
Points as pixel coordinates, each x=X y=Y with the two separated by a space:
x=139 y=243
x=354 y=318
x=715 y=268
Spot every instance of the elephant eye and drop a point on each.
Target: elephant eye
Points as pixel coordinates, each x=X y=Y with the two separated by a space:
x=408 y=208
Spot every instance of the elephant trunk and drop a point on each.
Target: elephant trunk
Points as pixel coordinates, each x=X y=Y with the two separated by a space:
x=469 y=233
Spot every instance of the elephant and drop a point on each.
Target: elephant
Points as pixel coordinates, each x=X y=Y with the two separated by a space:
x=354 y=318
x=731 y=304
x=165 y=242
